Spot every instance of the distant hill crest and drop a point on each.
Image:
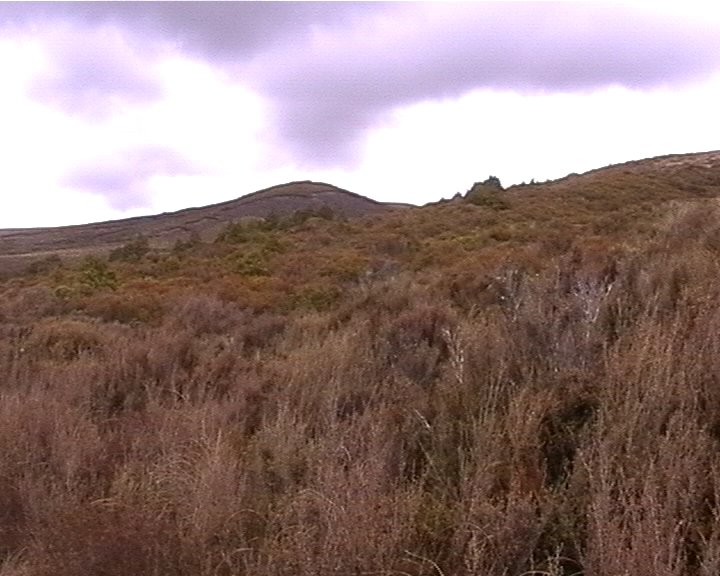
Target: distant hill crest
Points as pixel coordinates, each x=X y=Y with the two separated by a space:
x=654 y=179
x=206 y=221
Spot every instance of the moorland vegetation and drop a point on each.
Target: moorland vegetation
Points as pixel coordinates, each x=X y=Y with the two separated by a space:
x=518 y=382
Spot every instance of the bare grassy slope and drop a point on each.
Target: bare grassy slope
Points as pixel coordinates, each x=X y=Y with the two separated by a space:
x=614 y=195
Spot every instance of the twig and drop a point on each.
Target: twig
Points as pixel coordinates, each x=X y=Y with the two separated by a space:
x=431 y=562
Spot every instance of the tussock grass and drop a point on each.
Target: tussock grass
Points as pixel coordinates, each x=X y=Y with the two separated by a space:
x=532 y=404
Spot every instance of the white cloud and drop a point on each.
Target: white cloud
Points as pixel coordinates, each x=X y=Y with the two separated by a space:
x=194 y=130
x=97 y=76
x=435 y=149
x=203 y=116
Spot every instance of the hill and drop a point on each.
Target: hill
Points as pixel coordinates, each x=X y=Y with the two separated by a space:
x=164 y=230
x=519 y=381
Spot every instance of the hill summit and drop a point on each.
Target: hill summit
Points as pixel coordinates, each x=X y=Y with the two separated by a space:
x=163 y=230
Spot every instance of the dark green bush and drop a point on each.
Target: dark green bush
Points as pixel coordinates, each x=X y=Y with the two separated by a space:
x=95 y=274
x=488 y=194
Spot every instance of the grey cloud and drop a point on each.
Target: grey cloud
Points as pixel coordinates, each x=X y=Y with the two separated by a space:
x=331 y=70
x=327 y=97
x=216 y=30
x=122 y=178
x=96 y=73
x=94 y=70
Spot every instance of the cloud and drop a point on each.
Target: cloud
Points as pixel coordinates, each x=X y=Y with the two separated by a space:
x=102 y=56
x=334 y=71
x=95 y=72
x=327 y=92
x=123 y=178
x=216 y=30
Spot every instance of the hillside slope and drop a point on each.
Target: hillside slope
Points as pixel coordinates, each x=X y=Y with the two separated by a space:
x=523 y=381
x=163 y=230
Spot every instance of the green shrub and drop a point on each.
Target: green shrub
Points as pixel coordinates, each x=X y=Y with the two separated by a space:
x=253 y=233
x=488 y=194
x=252 y=263
x=95 y=274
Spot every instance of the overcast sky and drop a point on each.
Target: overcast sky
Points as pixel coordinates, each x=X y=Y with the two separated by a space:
x=110 y=110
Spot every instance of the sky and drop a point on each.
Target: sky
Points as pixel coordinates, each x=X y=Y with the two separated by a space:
x=117 y=109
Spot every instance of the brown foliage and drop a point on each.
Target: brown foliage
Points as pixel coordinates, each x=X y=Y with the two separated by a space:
x=516 y=410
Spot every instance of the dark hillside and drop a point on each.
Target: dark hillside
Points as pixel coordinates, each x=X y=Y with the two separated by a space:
x=163 y=230
x=520 y=382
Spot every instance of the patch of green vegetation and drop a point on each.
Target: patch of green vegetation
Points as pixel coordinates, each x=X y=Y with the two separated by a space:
x=95 y=274
x=488 y=194
x=252 y=262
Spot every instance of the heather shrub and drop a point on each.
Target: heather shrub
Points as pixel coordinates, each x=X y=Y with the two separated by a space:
x=45 y=265
x=204 y=314
x=406 y=395
x=131 y=305
x=64 y=339
x=27 y=303
x=132 y=251
x=315 y=296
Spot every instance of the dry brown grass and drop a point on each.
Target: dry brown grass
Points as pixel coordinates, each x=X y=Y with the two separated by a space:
x=533 y=405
